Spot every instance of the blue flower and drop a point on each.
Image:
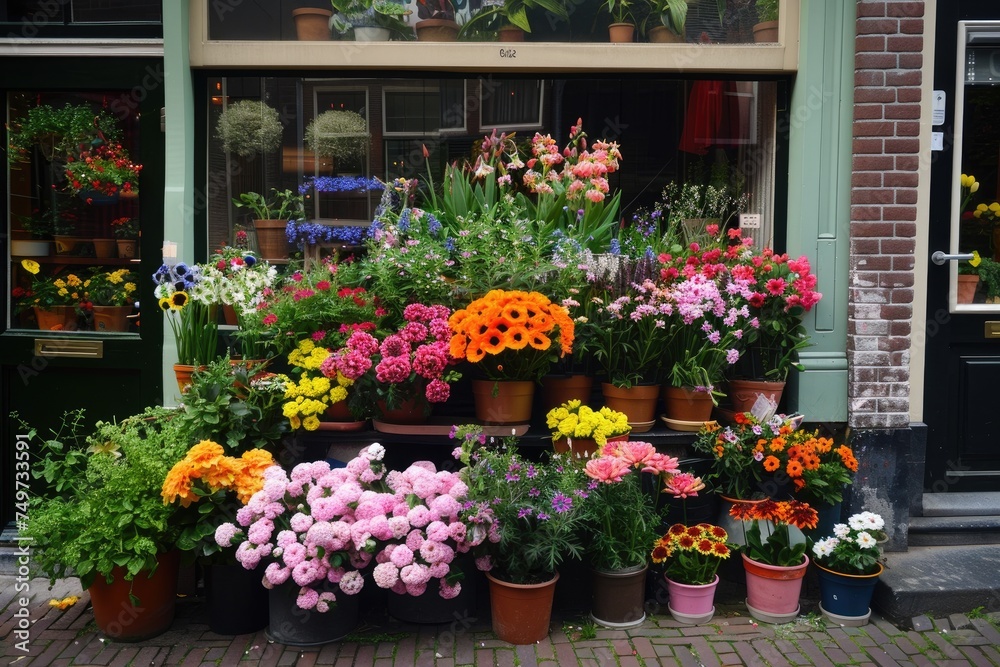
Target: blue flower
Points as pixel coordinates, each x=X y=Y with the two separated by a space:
x=449 y=243
x=616 y=248
x=404 y=220
x=433 y=224
x=249 y=260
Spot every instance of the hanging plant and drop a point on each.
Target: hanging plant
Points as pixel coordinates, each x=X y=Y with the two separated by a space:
x=249 y=127
x=336 y=134
x=60 y=132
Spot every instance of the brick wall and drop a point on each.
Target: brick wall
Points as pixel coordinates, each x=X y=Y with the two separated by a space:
x=887 y=93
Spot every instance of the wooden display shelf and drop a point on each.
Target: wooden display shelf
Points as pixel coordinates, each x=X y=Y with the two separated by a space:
x=77 y=259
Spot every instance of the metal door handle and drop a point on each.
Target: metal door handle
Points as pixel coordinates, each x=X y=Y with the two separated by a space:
x=939 y=257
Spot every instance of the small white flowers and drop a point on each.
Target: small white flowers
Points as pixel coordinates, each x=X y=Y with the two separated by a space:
x=841 y=530
x=865 y=541
x=825 y=547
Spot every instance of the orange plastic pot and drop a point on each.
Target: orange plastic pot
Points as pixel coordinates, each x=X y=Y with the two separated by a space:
x=114 y=612
x=521 y=612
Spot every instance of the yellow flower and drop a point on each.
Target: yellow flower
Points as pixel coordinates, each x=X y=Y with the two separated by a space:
x=73 y=280
x=976 y=259
x=178 y=300
x=59 y=282
x=31 y=266
x=310 y=423
x=65 y=603
x=129 y=288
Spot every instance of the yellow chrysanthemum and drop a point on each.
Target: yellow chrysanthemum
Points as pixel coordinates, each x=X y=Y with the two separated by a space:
x=31 y=266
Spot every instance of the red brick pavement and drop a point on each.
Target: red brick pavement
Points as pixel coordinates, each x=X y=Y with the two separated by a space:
x=70 y=638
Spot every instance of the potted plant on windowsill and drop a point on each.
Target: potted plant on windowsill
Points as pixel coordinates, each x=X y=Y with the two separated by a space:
x=666 y=20
x=271 y=216
x=766 y=29
x=968 y=279
x=989 y=274
x=102 y=519
x=509 y=18
x=622 y=28
x=436 y=21
x=371 y=20
x=849 y=565
x=103 y=174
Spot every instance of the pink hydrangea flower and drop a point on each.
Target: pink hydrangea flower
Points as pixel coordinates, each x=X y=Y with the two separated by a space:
x=418 y=516
x=449 y=592
x=293 y=554
x=276 y=575
x=399 y=526
x=307 y=598
x=401 y=556
x=484 y=564
x=437 y=391
x=225 y=533
x=352 y=583
x=386 y=575
x=326 y=599
x=416 y=589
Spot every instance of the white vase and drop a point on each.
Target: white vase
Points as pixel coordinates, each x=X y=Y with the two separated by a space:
x=371 y=34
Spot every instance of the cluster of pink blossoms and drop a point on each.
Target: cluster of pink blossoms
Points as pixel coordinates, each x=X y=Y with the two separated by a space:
x=618 y=458
x=416 y=354
x=320 y=526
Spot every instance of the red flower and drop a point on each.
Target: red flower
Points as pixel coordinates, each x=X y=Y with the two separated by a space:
x=270 y=319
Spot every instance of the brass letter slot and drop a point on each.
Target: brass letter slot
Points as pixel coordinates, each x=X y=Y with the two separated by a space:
x=64 y=347
x=992 y=329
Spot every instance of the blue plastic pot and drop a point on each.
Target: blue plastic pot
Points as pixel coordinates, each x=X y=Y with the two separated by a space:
x=846 y=594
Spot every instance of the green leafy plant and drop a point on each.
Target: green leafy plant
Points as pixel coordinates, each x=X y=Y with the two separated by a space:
x=248 y=127
x=669 y=13
x=620 y=10
x=125 y=228
x=59 y=132
x=46 y=291
x=282 y=205
x=989 y=274
x=106 y=169
x=767 y=10
x=515 y=13
x=112 y=288
x=371 y=13
x=227 y=402
x=101 y=506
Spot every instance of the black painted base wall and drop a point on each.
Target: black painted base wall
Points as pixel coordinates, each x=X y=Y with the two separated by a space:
x=883 y=482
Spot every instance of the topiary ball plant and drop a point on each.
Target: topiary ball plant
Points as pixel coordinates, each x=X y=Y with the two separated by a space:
x=249 y=127
x=341 y=135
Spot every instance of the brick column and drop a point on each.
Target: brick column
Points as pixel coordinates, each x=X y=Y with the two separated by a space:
x=887 y=94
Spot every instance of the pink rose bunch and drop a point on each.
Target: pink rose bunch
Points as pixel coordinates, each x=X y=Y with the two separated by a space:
x=414 y=358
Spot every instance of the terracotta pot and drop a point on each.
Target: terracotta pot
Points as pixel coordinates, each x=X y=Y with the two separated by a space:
x=773 y=590
x=559 y=389
x=56 y=318
x=621 y=33
x=661 y=34
x=846 y=594
x=271 y=240
x=415 y=410
x=104 y=248
x=619 y=597
x=29 y=248
x=339 y=418
x=229 y=315
x=127 y=248
x=967 y=285
x=638 y=402
x=312 y=25
x=111 y=318
x=765 y=32
x=436 y=30
x=67 y=245
x=686 y=404
x=582 y=447
x=692 y=604
x=114 y=612
x=511 y=405
x=743 y=393
x=510 y=33
x=521 y=612
x=183 y=372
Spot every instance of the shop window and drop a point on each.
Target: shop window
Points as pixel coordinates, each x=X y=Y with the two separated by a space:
x=670 y=130
x=40 y=13
x=511 y=104
x=74 y=213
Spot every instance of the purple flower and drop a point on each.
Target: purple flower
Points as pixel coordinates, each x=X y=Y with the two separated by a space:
x=542 y=516
x=561 y=503
x=525 y=512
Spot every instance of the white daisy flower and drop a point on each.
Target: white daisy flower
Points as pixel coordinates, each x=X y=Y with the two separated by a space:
x=841 y=530
x=865 y=541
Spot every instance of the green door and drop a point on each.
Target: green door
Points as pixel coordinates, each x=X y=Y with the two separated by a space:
x=72 y=335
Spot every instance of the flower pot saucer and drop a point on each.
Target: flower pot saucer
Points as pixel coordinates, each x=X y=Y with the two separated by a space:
x=641 y=427
x=777 y=619
x=619 y=626
x=443 y=426
x=342 y=426
x=681 y=425
x=691 y=619
x=846 y=621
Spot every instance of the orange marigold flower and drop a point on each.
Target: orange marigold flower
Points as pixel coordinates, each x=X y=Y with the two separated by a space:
x=811 y=462
x=456 y=346
x=205 y=454
x=178 y=484
x=740 y=418
x=794 y=469
x=222 y=474
x=777 y=445
x=824 y=445
x=771 y=463
x=799 y=484
x=767 y=510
